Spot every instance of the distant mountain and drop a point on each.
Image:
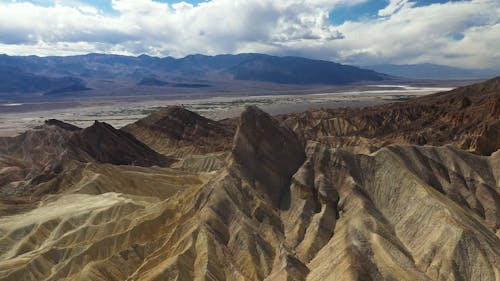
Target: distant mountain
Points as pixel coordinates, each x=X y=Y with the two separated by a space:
x=296 y=70
x=77 y=87
x=16 y=80
x=192 y=85
x=151 y=81
x=433 y=71
x=187 y=71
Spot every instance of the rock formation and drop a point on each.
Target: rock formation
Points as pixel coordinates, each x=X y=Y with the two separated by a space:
x=175 y=129
x=321 y=195
x=56 y=150
x=466 y=117
x=266 y=153
x=106 y=144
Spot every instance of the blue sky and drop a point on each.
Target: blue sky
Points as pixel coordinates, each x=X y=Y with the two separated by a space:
x=462 y=33
x=105 y=5
x=338 y=15
x=368 y=9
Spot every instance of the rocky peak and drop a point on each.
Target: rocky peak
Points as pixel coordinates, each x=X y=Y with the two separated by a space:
x=180 y=123
x=169 y=113
x=266 y=154
x=109 y=145
x=51 y=152
x=62 y=125
x=175 y=127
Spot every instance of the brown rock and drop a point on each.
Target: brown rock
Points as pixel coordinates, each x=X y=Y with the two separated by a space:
x=455 y=117
x=175 y=129
x=266 y=153
x=489 y=141
x=56 y=151
x=274 y=211
x=105 y=144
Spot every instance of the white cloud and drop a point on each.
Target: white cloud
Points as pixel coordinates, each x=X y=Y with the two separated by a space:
x=88 y=10
x=425 y=34
x=404 y=33
x=182 y=6
x=394 y=6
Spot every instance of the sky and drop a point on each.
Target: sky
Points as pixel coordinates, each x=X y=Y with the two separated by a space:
x=361 y=32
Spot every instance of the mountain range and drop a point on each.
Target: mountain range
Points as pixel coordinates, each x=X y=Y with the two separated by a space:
x=104 y=74
x=401 y=191
x=433 y=71
x=96 y=73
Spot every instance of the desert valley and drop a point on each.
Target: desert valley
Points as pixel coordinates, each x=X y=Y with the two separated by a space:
x=249 y=140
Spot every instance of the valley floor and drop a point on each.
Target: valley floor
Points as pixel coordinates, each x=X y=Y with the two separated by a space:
x=17 y=117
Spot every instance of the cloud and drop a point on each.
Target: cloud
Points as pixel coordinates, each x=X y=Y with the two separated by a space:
x=402 y=32
x=426 y=34
x=33 y=24
x=211 y=27
x=394 y=6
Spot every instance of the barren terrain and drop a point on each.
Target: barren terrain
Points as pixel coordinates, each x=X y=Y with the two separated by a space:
x=16 y=117
x=393 y=191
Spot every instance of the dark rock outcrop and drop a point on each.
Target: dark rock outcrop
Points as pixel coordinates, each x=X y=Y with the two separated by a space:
x=489 y=141
x=105 y=144
x=62 y=125
x=267 y=153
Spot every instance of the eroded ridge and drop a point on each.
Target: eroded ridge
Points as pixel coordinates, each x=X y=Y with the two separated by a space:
x=290 y=198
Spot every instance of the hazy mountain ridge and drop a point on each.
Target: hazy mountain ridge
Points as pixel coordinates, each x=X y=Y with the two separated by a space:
x=344 y=194
x=15 y=80
x=185 y=72
x=433 y=71
x=295 y=70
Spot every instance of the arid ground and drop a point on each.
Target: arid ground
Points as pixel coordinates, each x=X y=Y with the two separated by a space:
x=17 y=117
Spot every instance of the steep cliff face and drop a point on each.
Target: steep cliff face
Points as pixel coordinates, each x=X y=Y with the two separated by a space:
x=266 y=154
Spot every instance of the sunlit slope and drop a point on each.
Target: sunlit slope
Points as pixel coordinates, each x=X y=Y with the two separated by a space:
x=402 y=213
x=110 y=211
x=311 y=196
